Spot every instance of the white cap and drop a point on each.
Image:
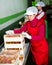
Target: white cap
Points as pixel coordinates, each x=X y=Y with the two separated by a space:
x=40 y=4
x=31 y=10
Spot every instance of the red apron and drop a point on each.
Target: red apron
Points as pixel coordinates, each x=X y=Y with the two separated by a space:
x=39 y=49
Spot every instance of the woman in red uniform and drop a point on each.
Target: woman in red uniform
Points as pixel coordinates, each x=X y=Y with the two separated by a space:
x=35 y=32
x=41 y=14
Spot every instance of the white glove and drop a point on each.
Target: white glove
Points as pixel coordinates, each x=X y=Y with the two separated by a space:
x=25 y=34
x=10 y=32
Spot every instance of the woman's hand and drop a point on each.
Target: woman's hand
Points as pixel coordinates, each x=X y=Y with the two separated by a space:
x=26 y=35
x=10 y=32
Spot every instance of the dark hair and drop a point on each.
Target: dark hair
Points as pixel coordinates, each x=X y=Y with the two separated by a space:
x=44 y=9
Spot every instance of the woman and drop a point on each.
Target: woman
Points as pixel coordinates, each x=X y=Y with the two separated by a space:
x=35 y=32
x=41 y=13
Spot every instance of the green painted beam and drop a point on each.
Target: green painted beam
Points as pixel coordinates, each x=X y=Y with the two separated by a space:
x=5 y=19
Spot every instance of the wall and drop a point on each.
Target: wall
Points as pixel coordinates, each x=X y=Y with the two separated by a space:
x=11 y=11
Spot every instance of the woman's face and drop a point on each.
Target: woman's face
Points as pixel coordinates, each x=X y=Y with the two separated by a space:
x=39 y=7
x=31 y=17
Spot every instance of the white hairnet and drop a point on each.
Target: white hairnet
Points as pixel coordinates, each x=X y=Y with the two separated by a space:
x=31 y=10
x=40 y=4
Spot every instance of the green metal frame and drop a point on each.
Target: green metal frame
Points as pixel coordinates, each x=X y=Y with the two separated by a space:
x=46 y=29
x=33 y=3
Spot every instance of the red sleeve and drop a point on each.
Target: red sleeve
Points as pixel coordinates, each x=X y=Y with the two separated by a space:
x=24 y=28
x=41 y=33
